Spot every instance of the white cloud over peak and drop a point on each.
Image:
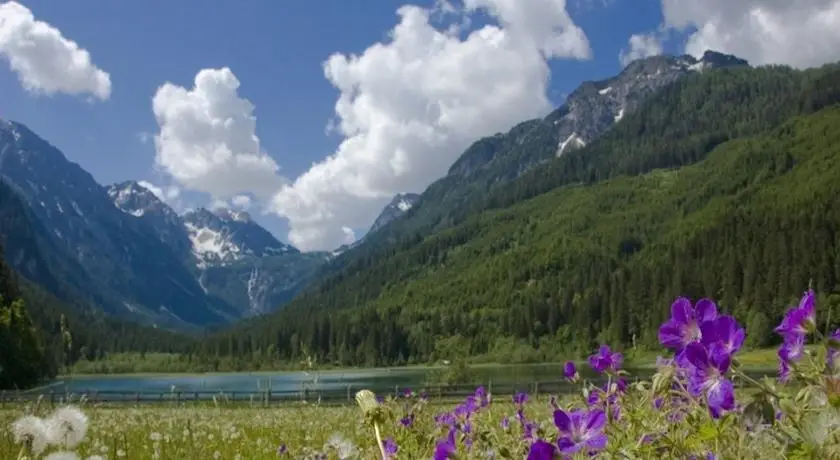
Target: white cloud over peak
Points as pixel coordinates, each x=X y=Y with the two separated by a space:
x=408 y=108
x=641 y=46
x=242 y=202
x=800 y=33
x=207 y=138
x=45 y=61
x=165 y=194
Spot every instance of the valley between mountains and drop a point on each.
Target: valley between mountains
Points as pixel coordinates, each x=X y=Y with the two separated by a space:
x=678 y=176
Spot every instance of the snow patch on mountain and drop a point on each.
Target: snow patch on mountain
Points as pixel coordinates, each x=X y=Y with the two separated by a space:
x=211 y=246
x=399 y=205
x=571 y=142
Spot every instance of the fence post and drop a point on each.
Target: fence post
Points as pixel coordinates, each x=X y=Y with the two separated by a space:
x=396 y=391
x=348 y=393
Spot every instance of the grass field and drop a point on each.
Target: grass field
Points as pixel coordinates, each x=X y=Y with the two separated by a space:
x=242 y=432
x=657 y=418
x=308 y=432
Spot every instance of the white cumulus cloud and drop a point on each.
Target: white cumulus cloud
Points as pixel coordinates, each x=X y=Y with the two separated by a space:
x=45 y=61
x=641 y=46
x=207 y=138
x=800 y=33
x=409 y=106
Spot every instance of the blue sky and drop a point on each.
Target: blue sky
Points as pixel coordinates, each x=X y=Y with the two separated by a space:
x=276 y=51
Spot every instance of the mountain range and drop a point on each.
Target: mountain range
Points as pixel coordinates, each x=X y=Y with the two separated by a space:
x=582 y=227
x=123 y=250
x=127 y=252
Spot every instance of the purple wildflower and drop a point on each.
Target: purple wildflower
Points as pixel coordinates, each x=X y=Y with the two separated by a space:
x=784 y=371
x=528 y=429
x=391 y=447
x=723 y=335
x=282 y=449
x=445 y=419
x=445 y=448
x=505 y=423
x=481 y=397
x=519 y=399
x=605 y=360
x=570 y=371
x=800 y=320
x=685 y=324
x=709 y=378
x=541 y=450
x=580 y=430
x=793 y=349
x=658 y=402
x=407 y=421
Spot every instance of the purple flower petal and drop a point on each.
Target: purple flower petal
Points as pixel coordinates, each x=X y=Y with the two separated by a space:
x=681 y=310
x=597 y=442
x=541 y=450
x=721 y=395
x=595 y=421
x=567 y=446
x=562 y=421
x=705 y=310
x=807 y=302
x=696 y=354
x=671 y=334
x=711 y=332
x=569 y=370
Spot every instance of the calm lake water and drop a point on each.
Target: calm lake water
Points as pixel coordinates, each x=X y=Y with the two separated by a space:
x=378 y=380
x=294 y=381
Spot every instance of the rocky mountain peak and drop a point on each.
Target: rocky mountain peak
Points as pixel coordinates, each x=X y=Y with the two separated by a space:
x=229 y=214
x=717 y=59
x=225 y=235
x=131 y=197
x=597 y=105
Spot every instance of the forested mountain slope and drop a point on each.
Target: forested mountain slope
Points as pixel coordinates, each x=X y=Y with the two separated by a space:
x=600 y=256
x=677 y=126
x=490 y=163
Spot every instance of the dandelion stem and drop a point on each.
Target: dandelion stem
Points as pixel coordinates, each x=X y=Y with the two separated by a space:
x=379 y=441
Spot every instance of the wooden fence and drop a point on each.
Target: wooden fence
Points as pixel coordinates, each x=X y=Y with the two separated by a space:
x=266 y=397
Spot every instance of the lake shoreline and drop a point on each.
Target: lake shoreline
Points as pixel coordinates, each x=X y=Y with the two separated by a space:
x=330 y=370
x=630 y=364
